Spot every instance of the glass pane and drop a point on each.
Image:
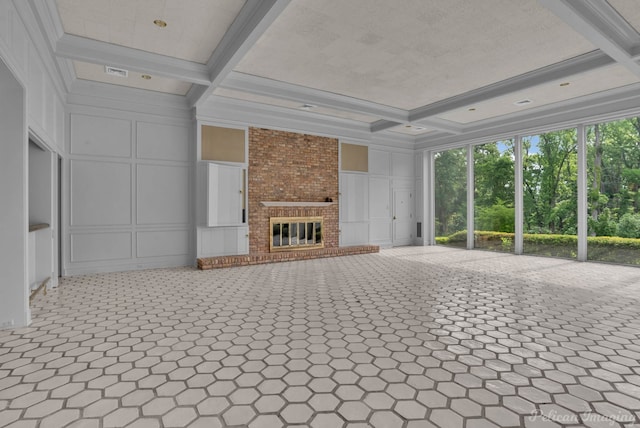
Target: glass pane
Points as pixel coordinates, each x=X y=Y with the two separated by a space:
x=276 y=235
x=318 y=233
x=550 y=194
x=613 y=180
x=451 y=197
x=494 y=196
x=301 y=229
x=310 y=233
x=294 y=233
x=285 y=233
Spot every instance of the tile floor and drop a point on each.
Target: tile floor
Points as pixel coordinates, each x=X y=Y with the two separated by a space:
x=410 y=337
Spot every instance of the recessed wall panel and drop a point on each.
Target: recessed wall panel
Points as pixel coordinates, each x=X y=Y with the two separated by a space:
x=35 y=94
x=378 y=162
x=163 y=194
x=379 y=200
x=162 y=142
x=162 y=243
x=93 y=247
x=402 y=165
x=380 y=231
x=100 y=193
x=100 y=136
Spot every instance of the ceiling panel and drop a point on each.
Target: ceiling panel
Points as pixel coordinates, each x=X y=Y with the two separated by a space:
x=240 y=95
x=611 y=77
x=96 y=72
x=629 y=9
x=194 y=27
x=409 y=53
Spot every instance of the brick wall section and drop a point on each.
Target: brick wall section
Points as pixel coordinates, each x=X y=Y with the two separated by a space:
x=286 y=166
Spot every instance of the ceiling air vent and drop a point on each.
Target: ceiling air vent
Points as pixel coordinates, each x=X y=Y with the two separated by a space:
x=523 y=102
x=113 y=71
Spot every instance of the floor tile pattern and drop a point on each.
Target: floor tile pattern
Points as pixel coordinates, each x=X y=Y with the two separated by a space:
x=410 y=338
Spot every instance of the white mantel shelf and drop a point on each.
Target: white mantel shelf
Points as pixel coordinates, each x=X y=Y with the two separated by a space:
x=295 y=204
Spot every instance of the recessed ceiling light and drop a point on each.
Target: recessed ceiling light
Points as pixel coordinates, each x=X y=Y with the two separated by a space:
x=160 y=23
x=565 y=83
x=407 y=126
x=146 y=77
x=523 y=102
x=307 y=107
x=114 y=71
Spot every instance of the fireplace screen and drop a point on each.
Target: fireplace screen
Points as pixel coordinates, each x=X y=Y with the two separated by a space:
x=295 y=233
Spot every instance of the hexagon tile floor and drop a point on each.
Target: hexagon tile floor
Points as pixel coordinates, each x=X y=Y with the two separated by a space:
x=410 y=337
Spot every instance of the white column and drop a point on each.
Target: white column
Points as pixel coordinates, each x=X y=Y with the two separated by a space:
x=471 y=187
x=582 y=194
x=519 y=205
x=428 y=198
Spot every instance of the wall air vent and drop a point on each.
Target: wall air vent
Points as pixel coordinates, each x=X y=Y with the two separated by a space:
x=118 y=72
x=523 y=102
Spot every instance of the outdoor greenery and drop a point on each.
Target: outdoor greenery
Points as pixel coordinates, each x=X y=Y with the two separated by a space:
x=549 y=193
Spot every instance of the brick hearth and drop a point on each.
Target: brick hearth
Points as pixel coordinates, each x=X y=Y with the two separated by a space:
x=207 y=263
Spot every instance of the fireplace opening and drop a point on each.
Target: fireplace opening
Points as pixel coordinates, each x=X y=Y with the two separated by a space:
x=295 y=233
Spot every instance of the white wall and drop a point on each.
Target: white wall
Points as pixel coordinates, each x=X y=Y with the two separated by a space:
x=14 y=303
x=27 y=68
x=366 y=201
x=129 y=191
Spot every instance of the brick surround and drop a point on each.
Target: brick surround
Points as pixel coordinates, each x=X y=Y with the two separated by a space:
x=286 y=166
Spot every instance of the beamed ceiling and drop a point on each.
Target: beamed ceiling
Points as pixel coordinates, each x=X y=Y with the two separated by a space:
x=418 y=69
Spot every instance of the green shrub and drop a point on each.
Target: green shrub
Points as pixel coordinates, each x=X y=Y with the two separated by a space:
x=496 y=217
x=629 y=226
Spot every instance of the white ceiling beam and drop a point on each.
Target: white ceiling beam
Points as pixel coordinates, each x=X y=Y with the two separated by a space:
x=255 y=17
x=97 y=52
x=599 y=23
x=561 y=70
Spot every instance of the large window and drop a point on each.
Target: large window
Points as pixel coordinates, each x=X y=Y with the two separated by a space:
x=550 y=194
x=613 y=180
x=494 y=196
x=451 y=197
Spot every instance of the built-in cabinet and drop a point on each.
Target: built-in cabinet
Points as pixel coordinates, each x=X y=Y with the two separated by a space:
x=223 y=228
x=225 y=195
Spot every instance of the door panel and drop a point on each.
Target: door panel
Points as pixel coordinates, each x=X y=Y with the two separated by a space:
x=402 y=217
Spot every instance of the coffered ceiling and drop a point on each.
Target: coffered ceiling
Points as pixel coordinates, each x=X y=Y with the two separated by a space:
x=414 y=68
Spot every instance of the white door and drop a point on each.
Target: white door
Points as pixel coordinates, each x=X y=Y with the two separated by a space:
x=402 y=217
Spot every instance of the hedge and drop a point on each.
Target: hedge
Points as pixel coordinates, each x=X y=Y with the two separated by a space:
x=604 y=242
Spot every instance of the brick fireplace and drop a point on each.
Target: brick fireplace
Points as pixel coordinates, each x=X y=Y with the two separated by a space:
x=294 y=168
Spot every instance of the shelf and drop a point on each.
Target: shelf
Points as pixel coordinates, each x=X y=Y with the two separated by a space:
x=295 y=204
x=34 y=227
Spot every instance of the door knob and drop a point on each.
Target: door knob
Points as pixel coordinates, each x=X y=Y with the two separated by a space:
x=394 y=217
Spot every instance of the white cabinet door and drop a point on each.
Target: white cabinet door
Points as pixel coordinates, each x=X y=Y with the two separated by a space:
x=225 y=195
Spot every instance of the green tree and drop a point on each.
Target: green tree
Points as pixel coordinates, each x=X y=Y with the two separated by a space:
x=450 y=191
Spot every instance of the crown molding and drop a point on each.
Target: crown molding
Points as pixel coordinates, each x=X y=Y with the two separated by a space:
x=600 y=107
x=255 y=17
x=261 y=115
x=105 y=95
x=97 y=52
x=305 y=95
x=601 y=24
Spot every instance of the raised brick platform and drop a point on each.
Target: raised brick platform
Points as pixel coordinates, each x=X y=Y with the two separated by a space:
x=207 y=263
